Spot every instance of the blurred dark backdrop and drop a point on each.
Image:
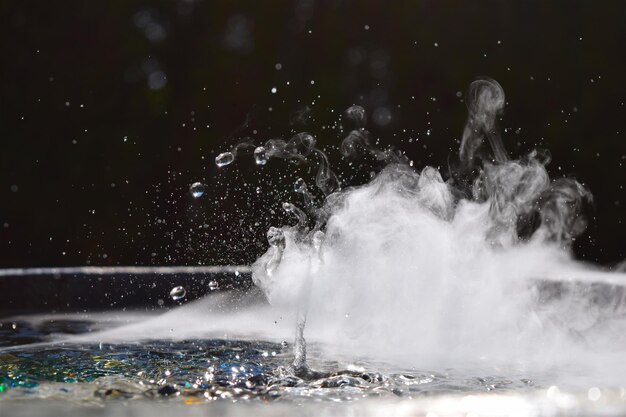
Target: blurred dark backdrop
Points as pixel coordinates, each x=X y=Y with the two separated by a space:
x=110 y=110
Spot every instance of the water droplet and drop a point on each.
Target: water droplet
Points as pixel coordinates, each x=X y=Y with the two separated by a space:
x=300 y=186
x=288 y=207
x=260 y=156
x=213 y=285
x=178 y=292
x=197 y=189
x=224 y=159
x=275 y=237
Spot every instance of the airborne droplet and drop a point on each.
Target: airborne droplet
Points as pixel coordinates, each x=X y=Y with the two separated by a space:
x=178 y=293
x=224 y=159
x=260 y=156
x=300 y=186
x=197 y=189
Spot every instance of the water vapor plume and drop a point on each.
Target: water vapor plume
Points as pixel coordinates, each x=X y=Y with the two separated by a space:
x=440 y=272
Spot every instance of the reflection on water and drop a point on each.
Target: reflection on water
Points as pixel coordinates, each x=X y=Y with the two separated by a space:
x=206 y=370
x=158 y=377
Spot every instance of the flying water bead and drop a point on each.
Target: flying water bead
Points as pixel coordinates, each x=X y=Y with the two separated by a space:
x=178 y=293
x=300 y=186
x=197 y=189
x=260 y=156
x=225 y=158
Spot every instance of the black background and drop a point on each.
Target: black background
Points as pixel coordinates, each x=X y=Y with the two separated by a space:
x=110 y=110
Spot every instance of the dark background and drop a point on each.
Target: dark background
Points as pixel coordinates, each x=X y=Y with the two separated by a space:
x=110 y=110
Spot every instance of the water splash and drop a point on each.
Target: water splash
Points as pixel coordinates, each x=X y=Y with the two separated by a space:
x=446 y=271
x=470 y=269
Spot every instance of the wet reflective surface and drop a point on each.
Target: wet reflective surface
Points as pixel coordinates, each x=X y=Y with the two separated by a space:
x=155 y=376
x=203 y=369
x=206 y=369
